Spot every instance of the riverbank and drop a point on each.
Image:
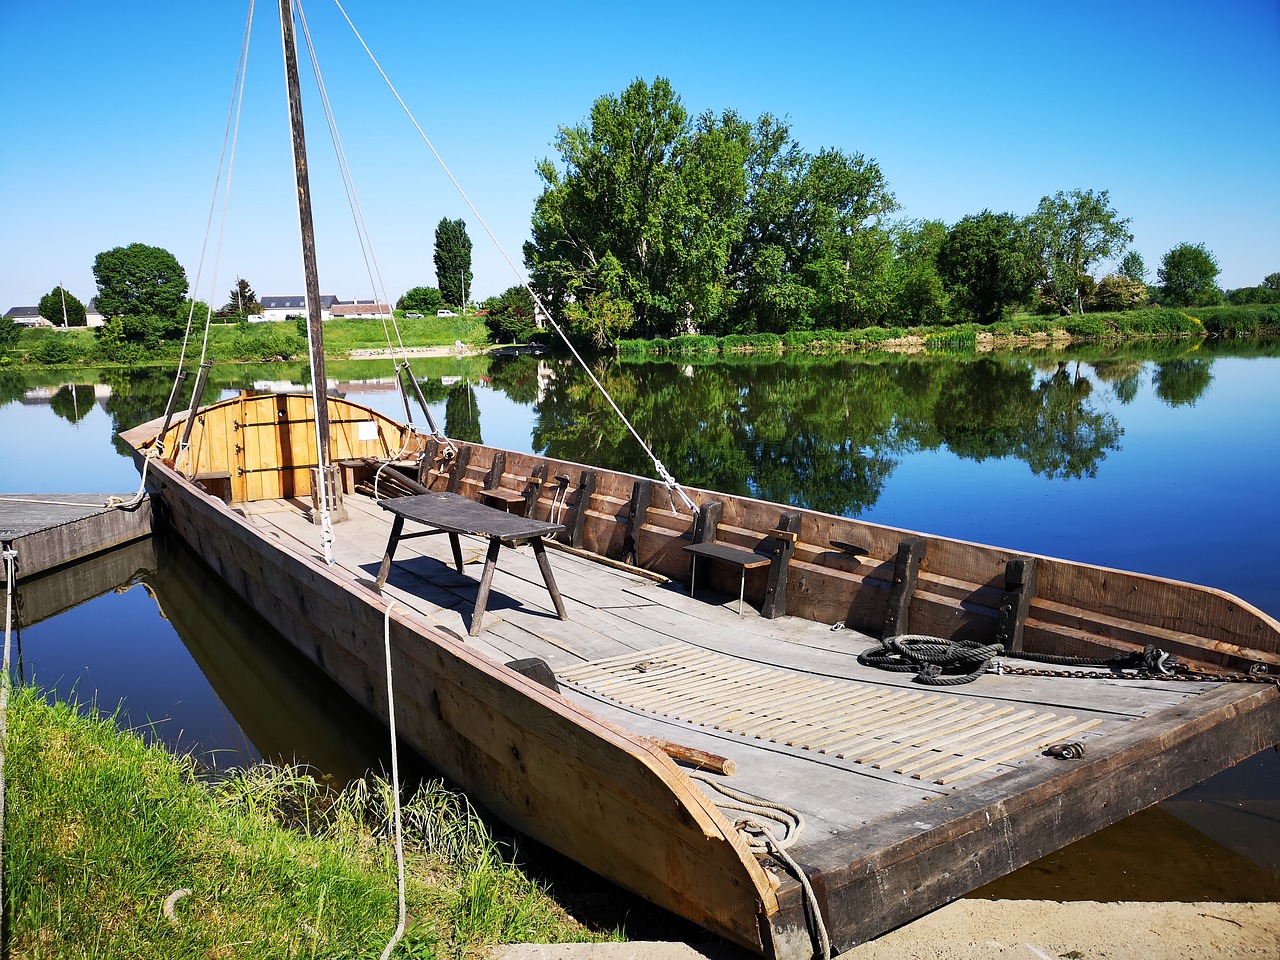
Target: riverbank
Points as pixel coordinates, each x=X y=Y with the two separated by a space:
x=1020 y=331
x=1012 y=929
x=114 y=848
x=440 y=337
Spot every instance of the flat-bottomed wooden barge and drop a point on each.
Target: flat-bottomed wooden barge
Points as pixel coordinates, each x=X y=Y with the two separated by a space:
x=910 y=795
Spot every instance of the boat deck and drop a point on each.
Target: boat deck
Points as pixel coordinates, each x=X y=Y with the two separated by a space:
x=864 y=755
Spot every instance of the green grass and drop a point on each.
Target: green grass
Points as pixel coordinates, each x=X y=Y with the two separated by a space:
x=101 y=829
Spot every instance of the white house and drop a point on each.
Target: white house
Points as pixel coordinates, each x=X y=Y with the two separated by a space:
x=27 y=317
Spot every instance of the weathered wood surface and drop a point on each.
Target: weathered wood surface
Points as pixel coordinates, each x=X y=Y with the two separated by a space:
x=543 y=764
x=892 y=832
x=49 y=530
x=842 y=797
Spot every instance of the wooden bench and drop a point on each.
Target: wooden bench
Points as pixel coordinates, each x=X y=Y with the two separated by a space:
x=508 y=497
x=773 y=551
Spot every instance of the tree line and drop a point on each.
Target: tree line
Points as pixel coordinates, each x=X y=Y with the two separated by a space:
x=654 y=223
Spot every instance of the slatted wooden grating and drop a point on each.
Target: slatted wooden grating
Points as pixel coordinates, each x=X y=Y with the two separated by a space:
x=919 y=733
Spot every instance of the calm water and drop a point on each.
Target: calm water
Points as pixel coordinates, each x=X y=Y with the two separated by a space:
x=1161 y=459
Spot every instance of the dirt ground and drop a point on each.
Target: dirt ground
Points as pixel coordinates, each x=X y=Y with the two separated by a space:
x=1016 y=930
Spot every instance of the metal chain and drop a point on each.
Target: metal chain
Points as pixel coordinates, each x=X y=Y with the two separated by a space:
x=1187 y=676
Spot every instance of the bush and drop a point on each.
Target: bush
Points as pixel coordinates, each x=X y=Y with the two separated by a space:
x=1162 y=322
x=56 y=350
x=1089 y=325
x=752 y=341
x=1245 y=320
x=693 y=343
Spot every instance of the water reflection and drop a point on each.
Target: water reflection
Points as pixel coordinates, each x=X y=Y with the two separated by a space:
x=148 y=633
x=828 y=436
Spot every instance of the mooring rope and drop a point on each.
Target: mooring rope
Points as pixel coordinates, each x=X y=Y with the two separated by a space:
x=761 y=839
x=395 y=783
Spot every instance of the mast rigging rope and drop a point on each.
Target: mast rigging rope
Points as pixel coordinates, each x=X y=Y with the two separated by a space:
x=667 y=478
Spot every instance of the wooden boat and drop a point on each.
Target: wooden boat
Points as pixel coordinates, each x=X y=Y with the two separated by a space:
x=910 y=796
x=847 y=799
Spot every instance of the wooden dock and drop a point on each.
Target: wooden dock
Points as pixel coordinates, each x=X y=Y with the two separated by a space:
x=48 y=530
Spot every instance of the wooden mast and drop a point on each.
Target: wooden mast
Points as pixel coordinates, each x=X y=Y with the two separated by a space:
x=315 y=330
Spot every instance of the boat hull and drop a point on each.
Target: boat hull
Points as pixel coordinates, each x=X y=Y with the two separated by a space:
x=612 y=800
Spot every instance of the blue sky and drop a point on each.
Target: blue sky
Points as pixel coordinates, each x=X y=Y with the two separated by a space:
x=113 y=114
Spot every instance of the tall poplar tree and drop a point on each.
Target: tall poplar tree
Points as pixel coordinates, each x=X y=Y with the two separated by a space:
x=453 y=261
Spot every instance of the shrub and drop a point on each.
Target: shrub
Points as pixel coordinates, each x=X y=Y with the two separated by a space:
x=1089 y=325
x=752 y=341
x=56 y=350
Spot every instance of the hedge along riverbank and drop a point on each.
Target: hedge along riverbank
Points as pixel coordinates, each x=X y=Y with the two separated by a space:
x=1249 y=320
x=102 y=831
x=285 y=340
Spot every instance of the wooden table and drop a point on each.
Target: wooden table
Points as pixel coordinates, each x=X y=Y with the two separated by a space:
x=454 y=514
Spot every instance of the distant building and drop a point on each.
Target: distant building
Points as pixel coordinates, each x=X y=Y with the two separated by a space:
x=30 y=316
x=360 y=310
x=285 y=308
x=27 y=317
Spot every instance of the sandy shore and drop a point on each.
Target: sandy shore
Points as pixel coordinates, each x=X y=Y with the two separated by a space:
x=1021 y=929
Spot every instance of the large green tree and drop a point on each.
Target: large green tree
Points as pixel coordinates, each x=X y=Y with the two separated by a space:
x=453 y=261
x=59 y=306
x=1072 y=231
x=139 y=281
x=1188 y=277
x=606 y=224
x=988 y=265
x=916 y=292
x=815 y=245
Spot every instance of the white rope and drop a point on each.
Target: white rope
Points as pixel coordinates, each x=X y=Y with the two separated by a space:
x=761 y=839
x=377 y=286
x=666 y=476
x=52 y=503
x=10 y=571
x=230 y=135
x=395 y=782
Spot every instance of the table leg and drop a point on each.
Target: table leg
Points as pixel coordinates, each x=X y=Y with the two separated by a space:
x=540 y=551
x=397 y=525
x=486 y=581
x=457 y=551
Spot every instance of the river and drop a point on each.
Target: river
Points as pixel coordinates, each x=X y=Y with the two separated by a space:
x=1161 y=458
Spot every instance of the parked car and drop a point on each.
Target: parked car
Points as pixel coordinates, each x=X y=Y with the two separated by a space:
x=445 y=313
x=413 y=316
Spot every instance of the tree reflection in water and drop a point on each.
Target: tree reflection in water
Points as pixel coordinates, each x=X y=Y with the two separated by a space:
x=828 y=434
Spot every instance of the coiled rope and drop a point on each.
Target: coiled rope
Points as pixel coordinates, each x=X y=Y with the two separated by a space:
x=929 y=658
x=938 y=662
